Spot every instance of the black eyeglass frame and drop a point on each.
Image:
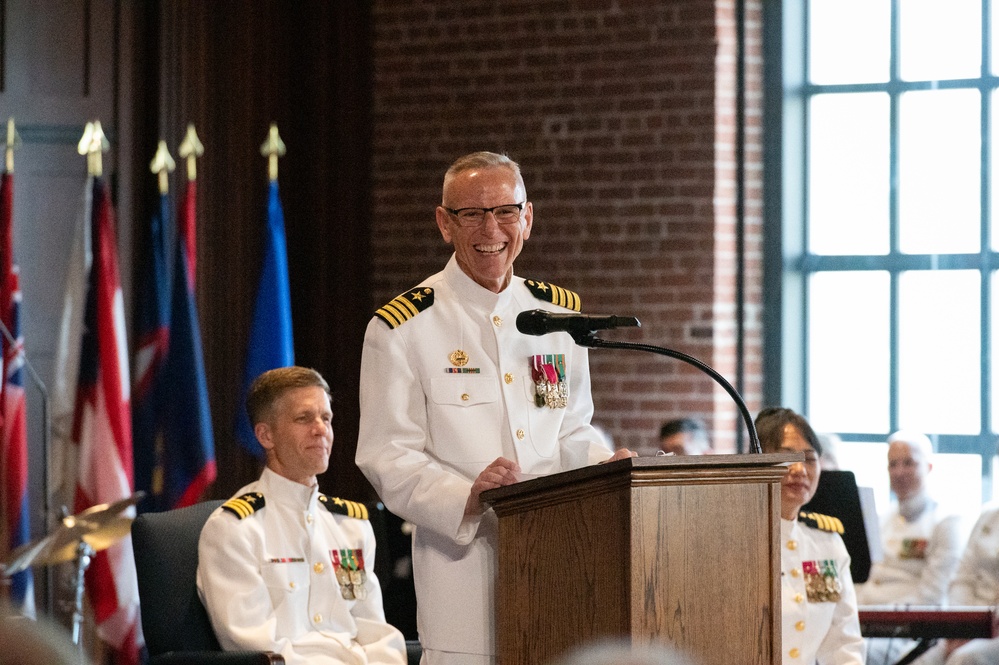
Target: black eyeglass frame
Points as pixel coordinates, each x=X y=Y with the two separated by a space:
x=456 y=212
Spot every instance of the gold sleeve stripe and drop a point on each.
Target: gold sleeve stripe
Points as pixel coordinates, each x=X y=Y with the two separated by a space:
x=405 y=306
x=240 y=507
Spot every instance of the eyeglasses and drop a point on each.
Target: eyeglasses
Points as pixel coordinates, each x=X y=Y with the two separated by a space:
x=504 y=214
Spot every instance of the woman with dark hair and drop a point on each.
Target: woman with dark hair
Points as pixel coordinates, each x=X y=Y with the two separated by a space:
x=818 y=604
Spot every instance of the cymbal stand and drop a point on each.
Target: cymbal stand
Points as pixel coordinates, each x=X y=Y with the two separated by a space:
x=84 y=554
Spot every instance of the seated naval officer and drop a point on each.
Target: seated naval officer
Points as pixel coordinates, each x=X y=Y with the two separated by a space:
x=283 y=567
x=819 y=621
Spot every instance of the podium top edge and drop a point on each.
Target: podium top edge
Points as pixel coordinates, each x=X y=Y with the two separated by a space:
x=626 y=467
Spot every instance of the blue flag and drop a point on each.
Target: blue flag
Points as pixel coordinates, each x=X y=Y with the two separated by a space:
x=153 y=332
x=189 y=441
x=271 y=343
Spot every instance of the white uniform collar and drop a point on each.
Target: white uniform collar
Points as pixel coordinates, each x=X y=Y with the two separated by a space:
x=473 y=293
x=279 y=489
x=914 y=506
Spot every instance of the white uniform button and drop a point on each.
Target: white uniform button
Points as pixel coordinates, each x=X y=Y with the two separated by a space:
x=520 y=434
x=319 y=567
x=464 y=397
x=497 y=321
x=798 y=598
x=308 y=518
x=794 y=653
x=800 y=626
x=792 y=544
x=795 y=572
x=318 y=618
x=508 y=377
x=291 y=585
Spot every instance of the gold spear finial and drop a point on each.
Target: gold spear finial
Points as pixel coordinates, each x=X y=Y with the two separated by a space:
x=190 y=149
x=162 y=165
x=273 y=148
x=13 y=143
x=93 y=144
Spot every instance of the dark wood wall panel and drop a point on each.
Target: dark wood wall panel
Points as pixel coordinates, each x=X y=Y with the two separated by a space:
x=232 y=68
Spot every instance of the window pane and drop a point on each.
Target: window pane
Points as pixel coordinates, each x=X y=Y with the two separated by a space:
x=940 y=39
x=848 y=358
x=940 y=351
x=995 y=354
x=864 y=25
x=939 y=172
x=848 y=174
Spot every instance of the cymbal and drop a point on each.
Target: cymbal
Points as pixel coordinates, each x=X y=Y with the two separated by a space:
x=99 y=526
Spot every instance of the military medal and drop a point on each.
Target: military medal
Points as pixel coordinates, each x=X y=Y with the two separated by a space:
x=914 y=548
x=350 y=575
x=550 y=386
x=458 y=358
x=822 y=581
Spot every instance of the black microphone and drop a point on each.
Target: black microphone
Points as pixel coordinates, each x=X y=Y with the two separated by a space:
x=540 y=322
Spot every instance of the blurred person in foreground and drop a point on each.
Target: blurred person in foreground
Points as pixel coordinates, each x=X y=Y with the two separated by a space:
x=922 y=544
x=819 y=621
x=281 y=566
x=684 y=436
x=456 y=401
x=621 y=652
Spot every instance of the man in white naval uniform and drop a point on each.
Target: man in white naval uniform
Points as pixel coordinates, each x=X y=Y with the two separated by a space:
x=922 y=544
x=455 y=401
x=975 y=583
x=283 y=567
x=819 y=622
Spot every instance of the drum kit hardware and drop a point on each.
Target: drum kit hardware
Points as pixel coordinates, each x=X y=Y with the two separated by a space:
x=77 y=538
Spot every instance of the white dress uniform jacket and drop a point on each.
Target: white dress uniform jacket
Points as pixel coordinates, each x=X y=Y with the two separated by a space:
x=819 y=621
x=269 y=582
x=431 y=423
x=922 y=547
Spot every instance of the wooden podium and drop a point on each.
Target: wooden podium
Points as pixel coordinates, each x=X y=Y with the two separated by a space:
x=678 y=550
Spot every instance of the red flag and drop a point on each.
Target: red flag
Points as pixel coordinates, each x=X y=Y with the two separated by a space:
x=13 y=408
x=103 y=433
x=188 y=232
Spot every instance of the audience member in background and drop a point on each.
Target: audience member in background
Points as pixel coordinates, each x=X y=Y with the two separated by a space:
x=975 y=583
x=829 y=460
x=922 y=545
x=684 y=436
x=819 y=620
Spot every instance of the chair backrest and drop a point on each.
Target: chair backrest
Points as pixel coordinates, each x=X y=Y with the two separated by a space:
x=166 y=563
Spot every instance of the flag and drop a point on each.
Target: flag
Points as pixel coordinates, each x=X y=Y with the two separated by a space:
x=102 y=432
x=152 y=331
x=13 y=407
x=187 y=426
x=187 y=231
x=271 y=342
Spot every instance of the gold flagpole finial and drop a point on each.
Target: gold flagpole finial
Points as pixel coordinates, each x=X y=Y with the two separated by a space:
x=13 y=143
x=162 y=165
x=273 y=148
x=93 y=144
x=190 y=149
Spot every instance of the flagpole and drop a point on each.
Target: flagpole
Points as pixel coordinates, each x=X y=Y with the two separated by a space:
x=273 y=148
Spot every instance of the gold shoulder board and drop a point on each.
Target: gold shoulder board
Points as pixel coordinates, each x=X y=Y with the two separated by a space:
x=554 y=294
x=405 y=306
x=821 y=522
x=344 y=507
x=246 y=505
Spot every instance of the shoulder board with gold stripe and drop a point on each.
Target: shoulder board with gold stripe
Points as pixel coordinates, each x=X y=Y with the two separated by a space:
x=246 y=505
x=554 y=294
x=344 y=507
x=405 y=306
x=821 y=522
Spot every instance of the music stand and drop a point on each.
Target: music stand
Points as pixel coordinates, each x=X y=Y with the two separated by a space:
x=838 y=495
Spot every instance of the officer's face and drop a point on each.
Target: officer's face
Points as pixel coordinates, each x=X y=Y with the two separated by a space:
x=802 y=478
x=485 y=252
x=907 y=469
x=298 y=434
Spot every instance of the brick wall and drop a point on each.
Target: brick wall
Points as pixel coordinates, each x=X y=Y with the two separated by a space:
x=622 y=116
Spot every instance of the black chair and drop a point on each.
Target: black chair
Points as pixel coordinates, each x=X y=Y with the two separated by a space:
x=175 y=623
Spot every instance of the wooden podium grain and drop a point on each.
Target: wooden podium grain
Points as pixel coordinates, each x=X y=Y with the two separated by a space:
x=678 y=550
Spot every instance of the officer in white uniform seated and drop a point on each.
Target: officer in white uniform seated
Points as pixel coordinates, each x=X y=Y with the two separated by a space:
x=818 y=603
x=283 y=567
x=922 y=544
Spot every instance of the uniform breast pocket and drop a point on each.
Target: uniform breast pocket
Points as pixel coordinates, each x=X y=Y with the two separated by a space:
x=464 y=390
x=286 y=580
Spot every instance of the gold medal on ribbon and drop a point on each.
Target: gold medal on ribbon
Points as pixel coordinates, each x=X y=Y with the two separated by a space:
x=458 y=358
